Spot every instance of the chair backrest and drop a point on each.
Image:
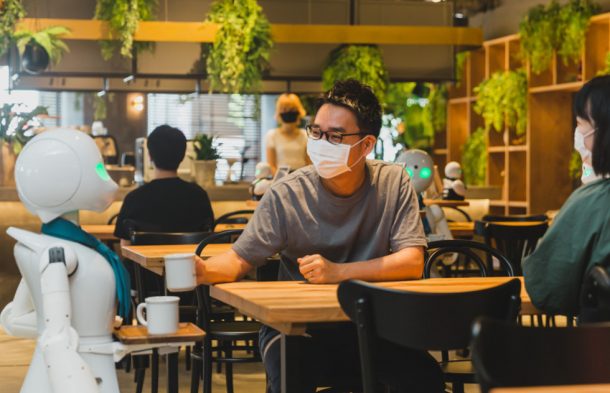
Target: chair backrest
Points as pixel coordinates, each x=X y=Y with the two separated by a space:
x=452 y=258
x=506 y=355
x=419 y=320
x=515 y=217
x=514 y=241
x=113 y=218
x=151 y=238
x=234 y=217
x=595 y=295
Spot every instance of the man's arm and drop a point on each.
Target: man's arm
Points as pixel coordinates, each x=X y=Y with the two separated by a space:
x=227 y=267
x=405 y=264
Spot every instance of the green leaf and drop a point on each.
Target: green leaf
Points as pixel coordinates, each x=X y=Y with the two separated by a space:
x=474 y=158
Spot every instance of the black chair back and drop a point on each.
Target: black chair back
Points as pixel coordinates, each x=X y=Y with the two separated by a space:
x=112 y=219
x=235 y=217
x=515 y=217
x=151 y=238
x=510 y=355
x=418 y=320
x=464 y=253
x=595 y=295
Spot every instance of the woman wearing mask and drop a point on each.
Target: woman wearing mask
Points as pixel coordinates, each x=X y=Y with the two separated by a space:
x=287 y=144
x=580 y=234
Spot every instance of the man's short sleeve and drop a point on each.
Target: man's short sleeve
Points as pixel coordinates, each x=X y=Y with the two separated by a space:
x=265 y=234
x=407 y=229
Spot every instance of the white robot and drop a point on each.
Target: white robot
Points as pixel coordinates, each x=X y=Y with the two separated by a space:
x=420 y=167
x=453 y=186
x=262 y=182
x=66 y=298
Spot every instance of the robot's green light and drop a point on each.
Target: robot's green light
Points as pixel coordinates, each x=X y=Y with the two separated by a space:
x=410 y=172
x=101 y=171
x=425 y=173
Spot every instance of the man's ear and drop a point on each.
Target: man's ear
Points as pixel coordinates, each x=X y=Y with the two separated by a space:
x=370 y=142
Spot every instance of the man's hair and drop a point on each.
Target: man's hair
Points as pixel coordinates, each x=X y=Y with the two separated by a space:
x=359 y=99
x=166 y=146
x=592 y=103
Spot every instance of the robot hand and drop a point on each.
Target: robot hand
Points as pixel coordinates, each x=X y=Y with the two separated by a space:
x=458 y=187
x=68 y=372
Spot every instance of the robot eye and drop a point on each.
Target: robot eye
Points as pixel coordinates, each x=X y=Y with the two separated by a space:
x=101 y=171
x=425 y=173
x=410 y=172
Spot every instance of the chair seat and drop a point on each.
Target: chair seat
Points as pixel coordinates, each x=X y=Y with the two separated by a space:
x=238 y=330
x=458 y=370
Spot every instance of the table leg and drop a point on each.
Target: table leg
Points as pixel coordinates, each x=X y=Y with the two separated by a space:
x=290 y=364
x=172 y=372
x=154 y=371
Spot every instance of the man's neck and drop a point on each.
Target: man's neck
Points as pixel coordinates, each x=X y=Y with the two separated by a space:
x=164 y=174
x=288 y=128
x=348 y=183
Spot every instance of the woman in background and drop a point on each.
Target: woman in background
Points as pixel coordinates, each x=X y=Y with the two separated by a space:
x=287 y=144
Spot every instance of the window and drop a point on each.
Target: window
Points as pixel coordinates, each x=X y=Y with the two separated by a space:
x=234 y=119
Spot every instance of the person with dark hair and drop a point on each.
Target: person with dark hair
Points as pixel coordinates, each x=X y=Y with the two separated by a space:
x=168 y=203
x=580 y=235
x=344 y=217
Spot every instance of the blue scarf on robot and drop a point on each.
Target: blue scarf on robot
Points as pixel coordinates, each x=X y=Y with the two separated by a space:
x=66 y=230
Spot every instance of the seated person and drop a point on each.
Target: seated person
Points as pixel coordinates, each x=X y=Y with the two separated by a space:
x=343 y=218
x=168 y=203
x=580 y=234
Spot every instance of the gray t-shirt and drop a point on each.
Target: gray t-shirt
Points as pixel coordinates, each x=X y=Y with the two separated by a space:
x=298 y=216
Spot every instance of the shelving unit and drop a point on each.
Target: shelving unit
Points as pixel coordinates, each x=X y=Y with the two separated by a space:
x=532 y=169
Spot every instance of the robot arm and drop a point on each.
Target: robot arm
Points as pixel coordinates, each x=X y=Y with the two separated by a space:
x=19 y=316
x=68 y=372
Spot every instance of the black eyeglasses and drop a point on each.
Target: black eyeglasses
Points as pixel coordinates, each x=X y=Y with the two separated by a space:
x=334 y=137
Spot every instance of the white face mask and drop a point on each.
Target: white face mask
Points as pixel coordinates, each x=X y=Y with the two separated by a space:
x=330 y=160
x=579 y=142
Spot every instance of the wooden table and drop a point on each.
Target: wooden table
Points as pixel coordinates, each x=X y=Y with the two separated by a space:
x=290 y=306
x=102 y=232
x=445 y=203
x=556 y=389
x=461 y=229
x=226 y=227
x=152 y=257
x=251 y=203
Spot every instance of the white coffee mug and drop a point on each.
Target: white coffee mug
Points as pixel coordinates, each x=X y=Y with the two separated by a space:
x=180 y=273
x=161 y=314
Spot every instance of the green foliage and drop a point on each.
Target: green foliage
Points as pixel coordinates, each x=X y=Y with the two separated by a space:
x=123 y=17
x=575 y=167
x=204 y=147
x=435 y=112
x=460 y=61
x=554 y=27
x=240 y=55
x=502 y=100
x=361 y=62
x=16 y=126
x=474 y=158
x=606 y=70
x=100 y=105
x=47 y=38
x=10 y=13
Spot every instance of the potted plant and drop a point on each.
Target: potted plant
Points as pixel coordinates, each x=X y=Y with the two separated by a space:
x=10 y=13
x=204 y=162
x=16 y=129
x=474 y=158
x=39 y=48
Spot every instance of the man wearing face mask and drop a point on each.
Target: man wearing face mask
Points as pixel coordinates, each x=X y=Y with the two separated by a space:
x=580 y=235
x=287 y=144
x=342 y=218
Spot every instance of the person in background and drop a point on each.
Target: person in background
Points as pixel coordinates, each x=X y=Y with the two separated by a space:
x=580 y=234
x=168 y=203
x=287 y=144
x=342 y=218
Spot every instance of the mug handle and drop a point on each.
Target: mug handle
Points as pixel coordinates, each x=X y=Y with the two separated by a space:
x=140 y=314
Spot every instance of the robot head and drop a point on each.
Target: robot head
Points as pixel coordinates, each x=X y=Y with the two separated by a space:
x=453 y=170
x=60 y=171
x=419 y=166
x=263 y=171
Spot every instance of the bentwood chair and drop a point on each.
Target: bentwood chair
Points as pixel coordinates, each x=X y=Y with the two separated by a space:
x=510 y=355
x=226 y=334
x=234 y=217
x=595 y=295
x=420 y=321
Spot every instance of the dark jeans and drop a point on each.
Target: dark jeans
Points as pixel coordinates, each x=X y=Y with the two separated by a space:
x=330 y=357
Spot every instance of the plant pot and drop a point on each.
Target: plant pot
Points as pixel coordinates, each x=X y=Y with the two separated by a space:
x=35 y=59
x=7 y=165
x=205 y=171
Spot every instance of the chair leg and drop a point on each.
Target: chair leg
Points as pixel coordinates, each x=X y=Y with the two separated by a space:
x=207 y=367
x=187 y=355
x=140 y=375
x=458 y=387
x=154 y=372
x=196 y=368
x=229 y=367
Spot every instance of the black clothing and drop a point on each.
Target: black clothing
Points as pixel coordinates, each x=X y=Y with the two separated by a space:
x=165 y=205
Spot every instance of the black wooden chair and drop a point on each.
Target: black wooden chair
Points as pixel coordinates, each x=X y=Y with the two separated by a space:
x=515 y=217
x=456 y=258
x=595 y=295
x=509 y=355
x=227 y=334
x=234 y=217
x=420 y=321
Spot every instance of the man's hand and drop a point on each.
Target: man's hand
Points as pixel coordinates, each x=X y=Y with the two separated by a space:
x=226 y=267
x=318 y=270
x=201 y=270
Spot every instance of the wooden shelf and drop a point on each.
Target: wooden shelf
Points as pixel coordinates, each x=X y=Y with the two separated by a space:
x=497 y=202
x=516 y=148
x=459 y=100
x=496 y=149
x=440 y=151
x=571 y=86
x=517 y=203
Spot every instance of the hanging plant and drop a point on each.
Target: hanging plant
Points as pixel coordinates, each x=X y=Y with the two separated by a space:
x=606 y=70
x=460 y=61
x=555 y=28
x=39 y=48
x=17 y=126
x=502 y=101
x=361 y=62
x=405 y=113
x=435 y=112
x=123 y=17
x=240 y=55
x=474 y=158
x=10 y=13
